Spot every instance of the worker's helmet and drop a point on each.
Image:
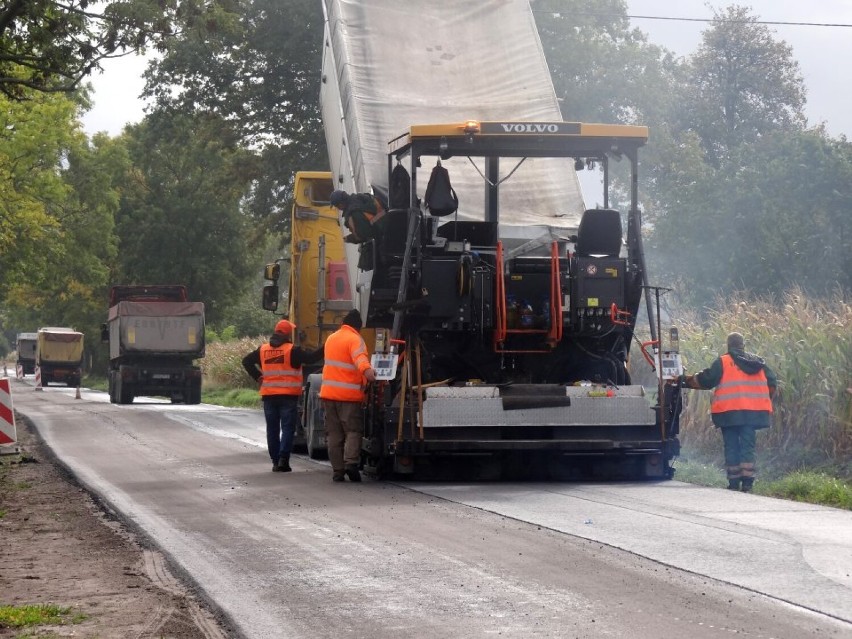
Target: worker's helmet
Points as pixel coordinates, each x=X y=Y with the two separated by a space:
x=285 y=327
x=339 y=199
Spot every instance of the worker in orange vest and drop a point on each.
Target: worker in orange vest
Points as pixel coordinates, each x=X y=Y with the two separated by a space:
x=277 y=367
x=742 y=404
x=345 y=375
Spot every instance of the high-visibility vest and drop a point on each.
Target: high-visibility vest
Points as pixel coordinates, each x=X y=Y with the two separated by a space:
x=345 y=360
x=380 y=212
x=279 y=376
x=739 y=390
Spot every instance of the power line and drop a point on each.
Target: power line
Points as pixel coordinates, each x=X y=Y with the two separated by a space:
x=772 y=22
x=676 y=19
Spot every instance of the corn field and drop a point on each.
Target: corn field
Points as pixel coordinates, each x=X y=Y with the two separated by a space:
x=806 y=342
x=222 y=363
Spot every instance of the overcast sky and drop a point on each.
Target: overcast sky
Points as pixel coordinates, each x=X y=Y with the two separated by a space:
x=823 y=54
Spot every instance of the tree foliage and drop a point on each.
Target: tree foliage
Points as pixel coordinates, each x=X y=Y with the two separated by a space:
x=742 y=196
x=260 y=73
x=34 y=137
x=741 y=84
x=602 y=69
x=57 y=202
x=48 y=45
x=180 y=220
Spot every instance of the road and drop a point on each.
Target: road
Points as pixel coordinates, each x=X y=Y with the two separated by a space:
x=294 y=555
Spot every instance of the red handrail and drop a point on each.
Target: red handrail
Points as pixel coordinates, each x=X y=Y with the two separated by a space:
x=554 y=335
x=654 y=342
x=501 y=319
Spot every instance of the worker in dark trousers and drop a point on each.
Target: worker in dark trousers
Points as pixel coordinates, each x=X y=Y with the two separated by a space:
x=345 y=375
x=277 y=367
x=742 y=404
x=362 y=214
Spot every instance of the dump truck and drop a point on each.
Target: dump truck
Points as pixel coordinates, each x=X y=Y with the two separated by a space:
x=59 y=355
x=25 y=346
x=155 y=336
x=503 y=327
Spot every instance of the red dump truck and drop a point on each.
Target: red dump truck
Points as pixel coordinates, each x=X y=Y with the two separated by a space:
x=155 y=336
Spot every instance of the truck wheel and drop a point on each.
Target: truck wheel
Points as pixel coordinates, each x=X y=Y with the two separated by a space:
x=193 y=395
x=124 y=392
x=111 y=384
x=313 y=427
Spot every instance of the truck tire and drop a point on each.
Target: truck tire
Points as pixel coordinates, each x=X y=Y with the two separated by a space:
x=124 y=392
x=193 y=395
x=314 y=434
x=111 y=385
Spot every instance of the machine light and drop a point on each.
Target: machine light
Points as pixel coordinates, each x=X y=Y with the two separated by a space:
x=471 y=126
x=579 y=164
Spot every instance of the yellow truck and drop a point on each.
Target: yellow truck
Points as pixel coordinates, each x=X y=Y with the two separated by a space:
x=59 y=355
x=319 y=290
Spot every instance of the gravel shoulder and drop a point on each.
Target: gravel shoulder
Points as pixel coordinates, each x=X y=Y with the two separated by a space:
x=61 y=547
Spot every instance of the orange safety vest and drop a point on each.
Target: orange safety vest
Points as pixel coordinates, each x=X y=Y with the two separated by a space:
x=279 y=376
x=380 y=212
x=346 y=360
x=739 y=390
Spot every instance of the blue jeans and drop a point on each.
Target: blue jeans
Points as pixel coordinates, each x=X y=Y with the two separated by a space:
x=281 y=413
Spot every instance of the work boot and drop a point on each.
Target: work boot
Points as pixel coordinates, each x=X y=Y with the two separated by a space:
x=284 y=464
x=734 y=484
x=276 y=467
x=748 y=484
x=336 y=477
x=352 y=472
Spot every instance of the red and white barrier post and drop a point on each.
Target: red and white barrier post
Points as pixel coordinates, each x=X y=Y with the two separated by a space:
x=8 y=436
x=38 y=378
x=19 y=371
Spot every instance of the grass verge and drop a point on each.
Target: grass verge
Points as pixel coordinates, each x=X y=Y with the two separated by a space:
x=232 y=397
x=37 y=615
x=805 y=486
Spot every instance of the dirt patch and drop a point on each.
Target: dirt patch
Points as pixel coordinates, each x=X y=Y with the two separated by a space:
x=58 y=546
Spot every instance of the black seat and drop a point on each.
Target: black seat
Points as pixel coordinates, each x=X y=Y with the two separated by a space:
x=599 y=233
x=394 y=232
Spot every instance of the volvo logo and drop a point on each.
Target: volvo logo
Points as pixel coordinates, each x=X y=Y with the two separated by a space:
x=532 y=127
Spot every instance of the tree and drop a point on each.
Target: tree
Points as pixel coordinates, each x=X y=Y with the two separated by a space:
x=180 y=219
x=775 y=217
x=34 y=138
x=741 y=84
x=48 y=45
x=602 y=70
x=60 y=205
x=260 y=73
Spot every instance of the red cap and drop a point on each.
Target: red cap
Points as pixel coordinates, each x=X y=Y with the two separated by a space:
x=285 y=327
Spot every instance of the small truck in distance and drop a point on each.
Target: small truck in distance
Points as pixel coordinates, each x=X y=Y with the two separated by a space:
x=25 y=346
x=59 y=355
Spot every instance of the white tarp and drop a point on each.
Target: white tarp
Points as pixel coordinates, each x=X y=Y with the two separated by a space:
x=399 y=63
